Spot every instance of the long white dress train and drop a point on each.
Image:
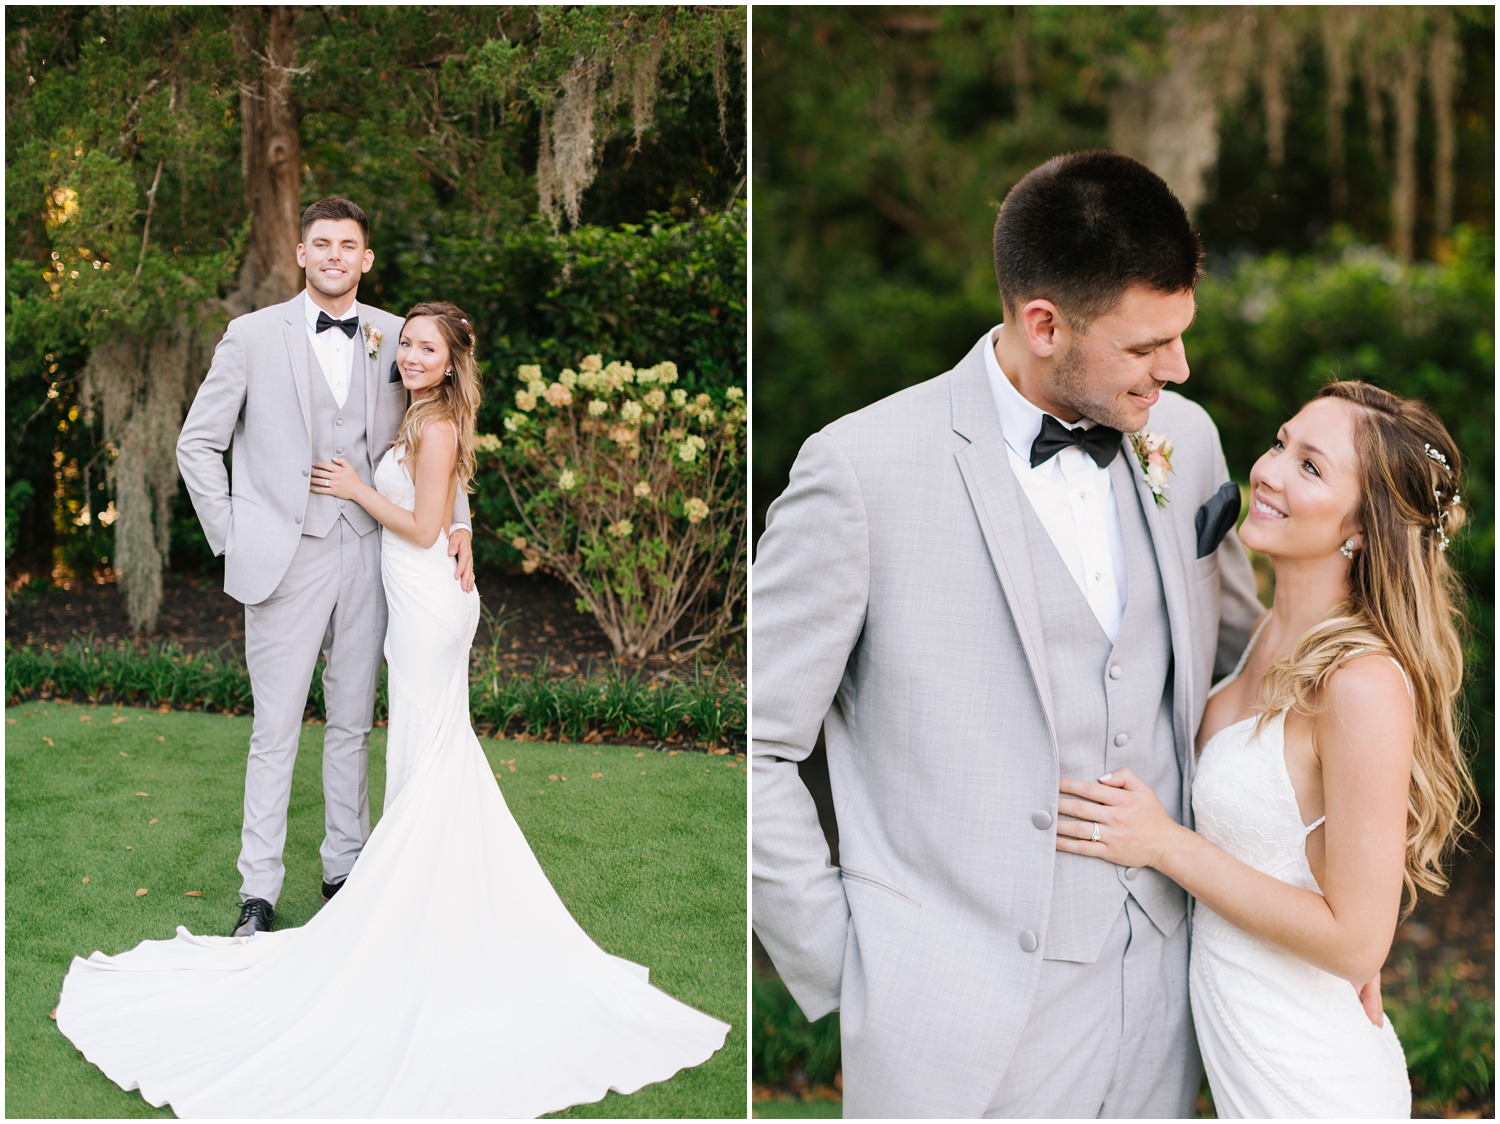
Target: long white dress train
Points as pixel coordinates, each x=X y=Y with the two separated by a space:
x=446 y=979
x=1280 y=1038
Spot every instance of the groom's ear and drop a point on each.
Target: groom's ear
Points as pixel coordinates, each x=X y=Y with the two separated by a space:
x=1042 y=326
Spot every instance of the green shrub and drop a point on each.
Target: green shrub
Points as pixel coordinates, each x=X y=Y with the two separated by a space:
x=1448 y=1035
x=611 y=704
x=632 y=493
x=786 y=1049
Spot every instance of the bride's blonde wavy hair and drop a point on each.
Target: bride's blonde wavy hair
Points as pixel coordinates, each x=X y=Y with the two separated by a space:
x=455 y=399
x=1403 y=602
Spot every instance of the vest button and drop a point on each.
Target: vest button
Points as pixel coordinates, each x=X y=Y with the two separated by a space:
x=1028 y=941
x=299 y=519
x=1116 y=671
x=1131 y=872
x=1121 y=739
x=1041 y=819
x=306 y=472
x=340 y=421
x=338 y=450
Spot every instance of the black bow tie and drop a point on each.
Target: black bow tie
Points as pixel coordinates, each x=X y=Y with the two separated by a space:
x=348 y=327
x=1100 y=442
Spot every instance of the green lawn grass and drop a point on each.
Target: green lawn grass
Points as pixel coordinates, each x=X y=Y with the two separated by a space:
x=102 y=802
x=794 y=1108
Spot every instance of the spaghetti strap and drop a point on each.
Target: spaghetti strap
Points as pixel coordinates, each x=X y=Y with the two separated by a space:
x=1361 y=651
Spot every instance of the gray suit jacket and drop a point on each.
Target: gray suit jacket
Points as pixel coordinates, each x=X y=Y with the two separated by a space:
x=891 y=609
x=256 y=402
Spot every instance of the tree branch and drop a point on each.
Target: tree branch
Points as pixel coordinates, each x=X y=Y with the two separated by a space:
x=150 y=207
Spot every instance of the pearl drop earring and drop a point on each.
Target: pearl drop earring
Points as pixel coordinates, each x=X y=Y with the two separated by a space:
x=1347 y=550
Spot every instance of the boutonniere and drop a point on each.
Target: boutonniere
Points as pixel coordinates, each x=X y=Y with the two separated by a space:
x=373 y=336
x=1155 y=454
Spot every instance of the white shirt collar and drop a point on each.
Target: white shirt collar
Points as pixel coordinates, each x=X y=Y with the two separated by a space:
x=310 y=313
x=1020 y=419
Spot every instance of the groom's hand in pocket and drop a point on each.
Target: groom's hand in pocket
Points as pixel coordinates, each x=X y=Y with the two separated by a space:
x=461 y=549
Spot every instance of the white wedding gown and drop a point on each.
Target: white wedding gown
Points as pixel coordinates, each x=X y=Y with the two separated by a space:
x=446 y=979
x=1280 y=1038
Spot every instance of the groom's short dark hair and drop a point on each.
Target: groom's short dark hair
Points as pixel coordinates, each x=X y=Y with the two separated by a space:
x=1082 y=228
x=335 y=207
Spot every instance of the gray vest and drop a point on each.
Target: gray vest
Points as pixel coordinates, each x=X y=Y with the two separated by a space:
x=339 y=431
x=1118 y=714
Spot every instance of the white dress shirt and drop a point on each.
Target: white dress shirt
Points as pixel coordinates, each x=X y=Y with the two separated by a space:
x=1071 y=495
x=333 y=349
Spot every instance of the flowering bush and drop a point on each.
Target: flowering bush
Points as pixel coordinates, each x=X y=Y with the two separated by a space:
x=633 y=493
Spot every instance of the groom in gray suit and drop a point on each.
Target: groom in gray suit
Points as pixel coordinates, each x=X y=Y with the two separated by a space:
x=291 y=384
x=973 y=587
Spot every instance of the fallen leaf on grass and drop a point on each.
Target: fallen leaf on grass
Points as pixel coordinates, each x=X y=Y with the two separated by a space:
x=193 y=894
x=512 y=768
x=640 y=755
x=53 y=1014
x=160 y=738
x=85 y=718
x=10 y=721
x=595 y=776
x=717 y=752
x=117 y=721
x=85 y=877
x=124 y=754
x=143 y=794
x=48 y=740
x=142 y=892
x=149 y=822
x=164 y=709
x=553 y=777
x=731 y=764
x=593 y=737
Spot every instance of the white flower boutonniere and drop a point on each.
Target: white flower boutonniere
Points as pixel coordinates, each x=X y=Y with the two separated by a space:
x=373 y=336
x=1155 y=454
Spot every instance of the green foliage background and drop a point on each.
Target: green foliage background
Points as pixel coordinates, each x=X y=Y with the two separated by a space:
x=426 y=115
x=885 y=139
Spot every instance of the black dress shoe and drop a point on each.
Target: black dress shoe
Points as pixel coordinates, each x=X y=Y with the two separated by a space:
x=256 y=916
x=331 y=888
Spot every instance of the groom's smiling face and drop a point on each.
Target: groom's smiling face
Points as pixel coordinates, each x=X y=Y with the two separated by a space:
x=1113 y=372
x=334 y=257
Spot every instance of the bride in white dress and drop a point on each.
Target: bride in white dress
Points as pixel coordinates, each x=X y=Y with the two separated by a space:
x=1330 y=775
x=446 y=978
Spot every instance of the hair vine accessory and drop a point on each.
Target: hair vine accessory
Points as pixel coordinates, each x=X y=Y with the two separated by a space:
x=1443 y=509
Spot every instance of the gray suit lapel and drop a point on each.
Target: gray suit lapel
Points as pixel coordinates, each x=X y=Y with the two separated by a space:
x=362 y=366
x=1174 y=581
x=999 y=506
x=294 y=331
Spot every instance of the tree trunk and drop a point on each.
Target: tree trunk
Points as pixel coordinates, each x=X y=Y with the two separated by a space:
x=272 y=155
x=1167 y=120
x=1407 y=88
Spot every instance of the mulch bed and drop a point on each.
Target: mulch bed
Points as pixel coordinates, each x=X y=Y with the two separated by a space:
x=533 y=615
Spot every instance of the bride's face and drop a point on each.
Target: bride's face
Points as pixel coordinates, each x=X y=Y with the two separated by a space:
x=1305 y=488
x=422 y=355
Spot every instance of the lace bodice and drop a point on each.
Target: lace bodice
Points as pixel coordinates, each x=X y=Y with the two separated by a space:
x=1243 y=800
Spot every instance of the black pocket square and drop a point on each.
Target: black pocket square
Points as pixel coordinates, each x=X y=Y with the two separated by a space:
x=395 y=374
x=1215 y=518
